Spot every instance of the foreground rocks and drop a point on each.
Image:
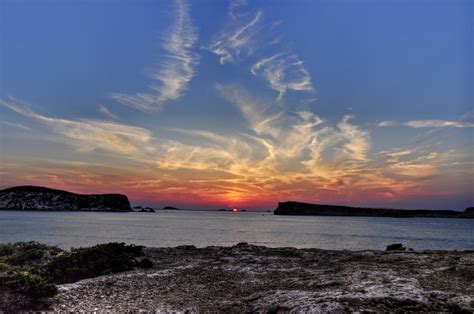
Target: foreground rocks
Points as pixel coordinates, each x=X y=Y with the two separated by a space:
x=255 y=278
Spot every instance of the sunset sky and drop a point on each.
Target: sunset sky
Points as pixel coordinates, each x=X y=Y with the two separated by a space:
x=211 y=104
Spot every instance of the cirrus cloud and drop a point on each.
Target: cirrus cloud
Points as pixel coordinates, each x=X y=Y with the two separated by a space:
x=248 y=38
x=283 y=72
x=417 y=124
x=87 y=134
x=175 y=72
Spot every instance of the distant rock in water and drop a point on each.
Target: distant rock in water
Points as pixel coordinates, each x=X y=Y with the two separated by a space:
x=41 y=198
x=147 y=210
x=171 y=208
x=143 y=209
x=296 y=208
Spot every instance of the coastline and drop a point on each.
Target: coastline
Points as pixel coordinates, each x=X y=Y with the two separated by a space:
x=254 y=278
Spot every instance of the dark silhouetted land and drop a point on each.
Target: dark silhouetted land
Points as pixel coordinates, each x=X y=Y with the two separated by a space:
x=297 y=208
x=42 y=198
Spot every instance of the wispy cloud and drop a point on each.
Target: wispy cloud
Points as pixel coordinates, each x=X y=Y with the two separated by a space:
x=87 y=135
x=16 y=125
x=388 y=123
x=357 y=139
x=230 y=43
x=175 y=72
x=283 y=72
x=437 y=124
x=428 y=124
x=250 y=37
x=260 y=115
x=107 y=112
x=234 y=6
x=298 y=138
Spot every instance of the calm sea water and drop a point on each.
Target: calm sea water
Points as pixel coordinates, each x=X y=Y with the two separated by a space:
x=172 y=228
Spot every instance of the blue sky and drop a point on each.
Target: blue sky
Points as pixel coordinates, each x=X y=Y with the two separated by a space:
x=366 y=86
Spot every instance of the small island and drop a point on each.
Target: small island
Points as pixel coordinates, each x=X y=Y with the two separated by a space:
x=297 y=208
x=170 y=208
x=41 y=198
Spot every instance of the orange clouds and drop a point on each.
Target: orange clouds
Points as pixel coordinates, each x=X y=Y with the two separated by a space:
x=282 y=155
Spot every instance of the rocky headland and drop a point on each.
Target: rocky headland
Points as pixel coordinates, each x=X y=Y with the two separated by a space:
x=297 y=208
x=42 y=198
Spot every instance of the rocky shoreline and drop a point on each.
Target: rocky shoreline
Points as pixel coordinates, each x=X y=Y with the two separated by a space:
x=248 y=278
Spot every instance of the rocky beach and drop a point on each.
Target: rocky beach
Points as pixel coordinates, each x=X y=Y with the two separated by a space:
x=248 y=278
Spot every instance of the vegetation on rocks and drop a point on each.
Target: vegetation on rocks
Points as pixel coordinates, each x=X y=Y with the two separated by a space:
x=91 y=262
x=29 y=271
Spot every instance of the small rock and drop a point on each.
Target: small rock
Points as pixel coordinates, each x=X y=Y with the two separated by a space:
x=396 y=247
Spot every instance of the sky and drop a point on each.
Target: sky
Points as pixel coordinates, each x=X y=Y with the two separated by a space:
x=241 y=104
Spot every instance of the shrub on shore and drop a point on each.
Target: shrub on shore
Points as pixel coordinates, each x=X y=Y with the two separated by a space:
x=91 y=262
x=26 y=254
x=29 y=271
x=21 y=287
x=27 y=283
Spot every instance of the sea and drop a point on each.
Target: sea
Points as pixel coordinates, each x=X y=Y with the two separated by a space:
x=207 y=228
